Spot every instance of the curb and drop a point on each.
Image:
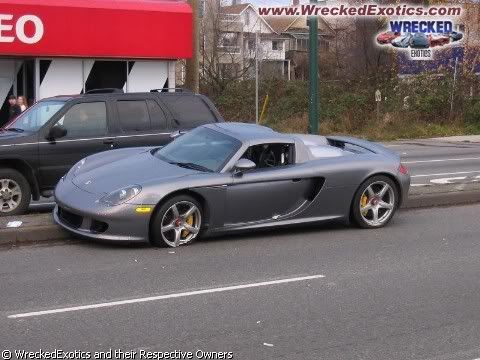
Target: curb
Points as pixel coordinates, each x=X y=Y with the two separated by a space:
x=41 y=229
x=441 y=199
x=36 y=228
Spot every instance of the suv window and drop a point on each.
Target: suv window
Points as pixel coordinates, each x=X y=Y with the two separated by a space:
x=36 y=116
x=270 y=155
x=189 y=110
x=157 y=116
x=85 y=120
x=133 y=115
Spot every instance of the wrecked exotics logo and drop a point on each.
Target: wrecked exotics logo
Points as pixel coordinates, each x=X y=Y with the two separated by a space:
x=420 y=36
x=412 y=27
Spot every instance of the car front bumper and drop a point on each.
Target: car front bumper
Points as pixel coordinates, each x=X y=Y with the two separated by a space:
x=81 y=213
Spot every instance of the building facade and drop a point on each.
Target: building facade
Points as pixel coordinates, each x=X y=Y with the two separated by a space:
x=234 y=36
x=73 y=46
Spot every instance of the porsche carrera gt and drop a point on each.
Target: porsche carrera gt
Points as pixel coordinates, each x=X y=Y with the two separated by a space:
x=227 y=177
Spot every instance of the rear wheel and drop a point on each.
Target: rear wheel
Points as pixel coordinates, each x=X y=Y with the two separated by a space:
x=177 y=222
x=15 y=193
x=375 y=202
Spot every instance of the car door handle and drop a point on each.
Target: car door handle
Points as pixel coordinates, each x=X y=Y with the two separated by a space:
x=296 y=180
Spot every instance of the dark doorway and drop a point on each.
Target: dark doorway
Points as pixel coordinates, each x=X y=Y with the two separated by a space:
x=107 y=74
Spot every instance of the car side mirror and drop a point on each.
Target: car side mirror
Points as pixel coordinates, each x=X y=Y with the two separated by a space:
x=57 y=132
x=243 y=165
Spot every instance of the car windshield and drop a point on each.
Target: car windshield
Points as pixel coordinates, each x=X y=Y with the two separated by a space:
x=200 y=149
x=36 y=116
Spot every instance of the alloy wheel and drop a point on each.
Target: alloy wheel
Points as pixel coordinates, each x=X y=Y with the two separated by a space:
x=377 y=203
x=181 y=223
x=10 y=195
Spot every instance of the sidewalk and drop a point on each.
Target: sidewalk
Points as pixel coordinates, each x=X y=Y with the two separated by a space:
x=463 y=138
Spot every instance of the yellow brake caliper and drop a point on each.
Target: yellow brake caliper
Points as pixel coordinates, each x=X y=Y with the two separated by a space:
x=363 y=203
x=189 y=221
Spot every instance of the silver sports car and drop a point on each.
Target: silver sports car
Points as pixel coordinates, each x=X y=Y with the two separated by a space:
x=227 y=177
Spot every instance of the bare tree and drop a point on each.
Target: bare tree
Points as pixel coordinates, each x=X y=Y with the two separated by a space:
x=226 y=53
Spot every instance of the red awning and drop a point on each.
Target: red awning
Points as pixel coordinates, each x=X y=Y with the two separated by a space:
x=147 y=29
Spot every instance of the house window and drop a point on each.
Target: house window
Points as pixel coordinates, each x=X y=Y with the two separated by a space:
x=277 y=45
x=229 y=39
x=302 y=44
x=251 y=44
x=324 y=45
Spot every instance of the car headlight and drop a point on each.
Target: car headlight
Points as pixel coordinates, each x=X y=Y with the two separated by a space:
x=120 y=196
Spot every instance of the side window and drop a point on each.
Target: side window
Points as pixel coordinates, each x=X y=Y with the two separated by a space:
x=189 y=110
x=157 y=116
x=270 y=155
x=85 y=120
x=133 y=115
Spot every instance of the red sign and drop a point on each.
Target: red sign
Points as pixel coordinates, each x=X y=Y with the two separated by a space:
x=139 y=29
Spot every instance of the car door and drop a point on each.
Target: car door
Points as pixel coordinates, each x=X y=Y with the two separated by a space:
x=87 y=132
x=266 y=193
x=140 y=122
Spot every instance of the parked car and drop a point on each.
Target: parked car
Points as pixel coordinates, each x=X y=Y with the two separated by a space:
x=438 y=40
x=44 y=142
x=226 y=177
x=419 y=41
x=455 y=36
x=402 y=41
x=387 y=37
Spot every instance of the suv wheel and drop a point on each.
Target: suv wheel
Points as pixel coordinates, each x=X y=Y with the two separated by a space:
x=15 y=193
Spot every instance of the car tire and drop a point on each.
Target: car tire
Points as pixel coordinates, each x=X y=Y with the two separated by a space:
x=15 y=193
x=375 y=202
x=176 y=222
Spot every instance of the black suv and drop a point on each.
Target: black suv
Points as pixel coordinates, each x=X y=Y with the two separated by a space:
x=44 y=142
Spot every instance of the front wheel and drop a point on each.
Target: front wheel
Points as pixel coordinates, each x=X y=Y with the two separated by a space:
x=15 y=193
x=375 y=202
x=177 y=222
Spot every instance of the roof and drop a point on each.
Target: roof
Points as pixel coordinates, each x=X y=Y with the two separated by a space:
x=234 y=9
x=252 y=134
x=249 y=132
x=66 y=97
x=279 y=24
x=239 y=9
x=282 y=24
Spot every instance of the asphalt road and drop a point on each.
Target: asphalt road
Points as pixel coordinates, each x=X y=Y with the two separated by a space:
x=431 y=162
x=435 y=162
x=408 y=291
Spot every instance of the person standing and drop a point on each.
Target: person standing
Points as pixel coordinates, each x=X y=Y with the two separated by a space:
x=22 y=102
x=14 y=110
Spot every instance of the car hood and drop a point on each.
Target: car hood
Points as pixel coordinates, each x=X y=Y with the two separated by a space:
x=138 y=169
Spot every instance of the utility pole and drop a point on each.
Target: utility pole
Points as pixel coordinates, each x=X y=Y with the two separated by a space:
x=192 y=64
x=453 y=87
x=313 y=73
x=256 y=77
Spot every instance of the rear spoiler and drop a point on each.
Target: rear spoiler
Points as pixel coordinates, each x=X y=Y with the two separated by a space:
x=342 y=141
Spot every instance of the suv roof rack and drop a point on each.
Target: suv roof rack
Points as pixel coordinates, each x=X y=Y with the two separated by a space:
x=105 y=91
x=176 y=90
